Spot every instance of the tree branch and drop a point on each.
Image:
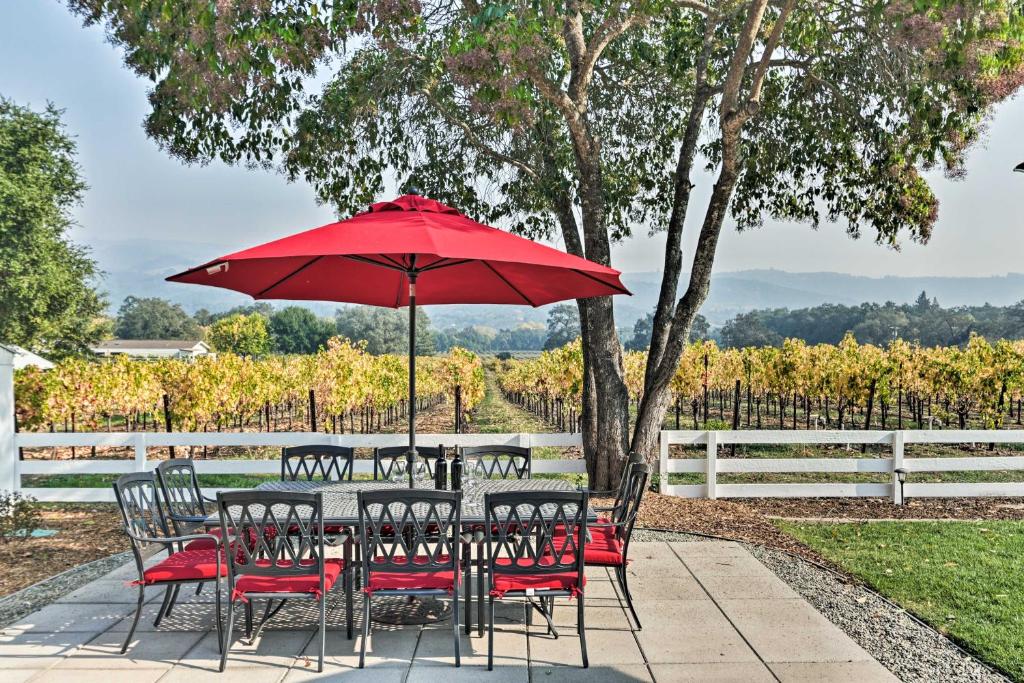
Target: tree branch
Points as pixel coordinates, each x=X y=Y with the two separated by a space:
x=475 y=140
x=769 y=48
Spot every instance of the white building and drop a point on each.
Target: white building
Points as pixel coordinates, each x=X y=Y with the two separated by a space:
x=152 y=348
x=23 y=358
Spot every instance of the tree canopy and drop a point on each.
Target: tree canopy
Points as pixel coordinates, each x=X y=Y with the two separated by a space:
x=589 y=119
x=298 y=330
x=154 y=318
x=48 y=301
x=244 y=335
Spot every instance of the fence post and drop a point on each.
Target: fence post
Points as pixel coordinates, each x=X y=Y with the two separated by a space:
x=712 y=465
x=662 y=462
x=140 y=452
x=10 y=478
x=898 y=439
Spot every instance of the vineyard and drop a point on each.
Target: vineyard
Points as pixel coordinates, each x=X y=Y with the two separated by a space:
x=340 y=389
x=796 y=385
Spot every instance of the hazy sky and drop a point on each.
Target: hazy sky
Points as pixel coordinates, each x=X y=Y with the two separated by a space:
x=137 y=191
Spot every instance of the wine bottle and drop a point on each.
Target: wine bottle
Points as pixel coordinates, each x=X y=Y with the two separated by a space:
x=440 y=470
x=457 y=470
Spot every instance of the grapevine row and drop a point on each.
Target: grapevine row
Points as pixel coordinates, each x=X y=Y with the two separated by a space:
x=844 y=385
x=341 y=388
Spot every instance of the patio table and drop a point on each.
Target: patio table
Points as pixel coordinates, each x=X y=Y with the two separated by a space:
x=341 y=508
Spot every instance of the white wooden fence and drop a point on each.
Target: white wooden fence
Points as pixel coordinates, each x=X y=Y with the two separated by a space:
x=141 y=442
x=710 y=465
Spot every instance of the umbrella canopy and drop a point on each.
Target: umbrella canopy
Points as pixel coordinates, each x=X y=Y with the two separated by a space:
x=368 y=259
x=403 y=252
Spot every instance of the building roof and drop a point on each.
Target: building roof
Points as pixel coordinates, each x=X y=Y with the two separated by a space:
x=23 y=358
x=138 y=344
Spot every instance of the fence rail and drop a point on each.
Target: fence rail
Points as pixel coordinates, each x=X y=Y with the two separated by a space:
x=141 y=442
x=712 y=464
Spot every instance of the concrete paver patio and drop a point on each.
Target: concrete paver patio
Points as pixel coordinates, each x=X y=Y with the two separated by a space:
x=710 y=611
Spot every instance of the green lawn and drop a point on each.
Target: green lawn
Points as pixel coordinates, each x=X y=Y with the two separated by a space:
x=964 y=578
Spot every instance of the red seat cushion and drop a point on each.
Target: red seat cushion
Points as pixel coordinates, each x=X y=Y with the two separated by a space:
x=187 y=565
x=204 y=543
x=429 y=580
x=602 y=549
x=302 y=583
x=560 y=581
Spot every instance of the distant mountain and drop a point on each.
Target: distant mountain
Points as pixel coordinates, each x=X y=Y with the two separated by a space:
x=138 y=267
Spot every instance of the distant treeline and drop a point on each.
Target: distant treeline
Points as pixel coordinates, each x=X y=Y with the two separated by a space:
x=923 y=321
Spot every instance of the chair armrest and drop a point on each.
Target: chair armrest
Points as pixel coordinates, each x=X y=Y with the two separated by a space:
x=176 y=539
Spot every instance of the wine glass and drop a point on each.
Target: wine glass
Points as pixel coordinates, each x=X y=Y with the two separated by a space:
x=470 y=475
x=420 y=473
x=398 y=470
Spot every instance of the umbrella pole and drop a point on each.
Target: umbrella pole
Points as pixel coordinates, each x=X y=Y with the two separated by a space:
x=411 y=455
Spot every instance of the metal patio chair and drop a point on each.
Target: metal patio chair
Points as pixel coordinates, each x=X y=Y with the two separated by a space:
x=278 y=565
x=609 y=511
x=185 y=507
x=498 y=462
x=488 y=462
x=608 y=541
x=422 y=559
x=319 y=463
x=384 y=459
x=144 y=523
x=525 y=558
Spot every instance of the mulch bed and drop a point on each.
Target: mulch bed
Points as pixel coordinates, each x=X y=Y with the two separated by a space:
x=728 y=519
x=85 y=533
x=873 y=508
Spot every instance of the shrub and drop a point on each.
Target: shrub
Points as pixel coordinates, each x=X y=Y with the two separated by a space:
x=19 y=516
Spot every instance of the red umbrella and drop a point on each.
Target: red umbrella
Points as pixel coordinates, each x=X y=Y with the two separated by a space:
x=403 y=252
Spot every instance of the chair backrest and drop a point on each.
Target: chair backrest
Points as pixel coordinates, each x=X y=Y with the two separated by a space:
x=422 y=524
x=143 y=517
x=633 y=493
x=322 y=463
x=281 y=530
x=634 y=459
x=384 y=459
x=537 y=532
x=498 y=462
x=181 y=494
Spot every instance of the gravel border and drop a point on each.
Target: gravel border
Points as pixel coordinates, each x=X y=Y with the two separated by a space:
x=910 y=649
x=26 y=601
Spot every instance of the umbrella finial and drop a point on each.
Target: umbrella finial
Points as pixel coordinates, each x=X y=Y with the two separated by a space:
x=413 y=189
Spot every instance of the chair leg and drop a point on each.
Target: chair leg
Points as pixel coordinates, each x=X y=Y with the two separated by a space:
x=174 y=599
x=467 y=586
x=227 y=637
x=163 y=606
x=349 y=591
x=580 y=616
x=480 y=589
x=457 y=631
x=135 y=621
x=323 y=633
x=490 y=635
x=220 y=626
x=199 y=588
x=621 y=571
x=366 y=630
x=248 y=620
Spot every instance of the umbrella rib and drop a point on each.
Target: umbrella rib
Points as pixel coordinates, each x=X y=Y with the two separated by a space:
x=438 y=264
x=506 y=281
x=606 y=284
x=290 y=275
x=370 y=261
